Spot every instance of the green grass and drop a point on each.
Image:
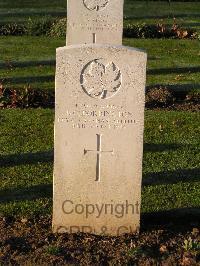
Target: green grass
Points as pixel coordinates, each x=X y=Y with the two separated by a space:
x=169 y=61
x=186 y=13
x=171 y=157
x=20 y=10
x=160 y=9
x=170 y=168
x=36 y=66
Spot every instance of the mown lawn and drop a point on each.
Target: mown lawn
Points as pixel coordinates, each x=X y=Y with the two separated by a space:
x=186 y=13
x=31 y=61
x=172 y=150
x=170 y=171
x=21 y=10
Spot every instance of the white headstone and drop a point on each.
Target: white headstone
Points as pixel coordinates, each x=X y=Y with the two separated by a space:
x=99 y=121
x=94 y=21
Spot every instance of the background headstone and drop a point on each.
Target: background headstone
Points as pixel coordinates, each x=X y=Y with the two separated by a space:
x=98 y=139
x=94 y=21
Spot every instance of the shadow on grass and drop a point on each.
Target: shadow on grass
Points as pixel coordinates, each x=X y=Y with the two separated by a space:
x=183 y=218
x=28 y=193
x=153 y=57
x=47 y=156
x=33 y=13
x=176 y=70
x=51 y=78
x=176 y=87
x=154 y=178
x=26 y=158
x=28 y=80
x=22 y=64
x=171 y=177
x=166 y=16
x=153 y=147
x=183 y=24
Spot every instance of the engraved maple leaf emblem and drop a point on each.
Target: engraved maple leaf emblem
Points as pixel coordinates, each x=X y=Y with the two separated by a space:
x=101 y=81
x=95 y=4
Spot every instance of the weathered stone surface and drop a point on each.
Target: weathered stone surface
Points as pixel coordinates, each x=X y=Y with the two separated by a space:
x=99 y=122
x=94 y=21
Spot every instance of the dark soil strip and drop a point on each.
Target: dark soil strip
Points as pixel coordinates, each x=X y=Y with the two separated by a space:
x=31 y=242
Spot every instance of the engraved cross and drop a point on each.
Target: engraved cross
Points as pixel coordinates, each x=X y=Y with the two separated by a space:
x=94 y=38
x=99 y=152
